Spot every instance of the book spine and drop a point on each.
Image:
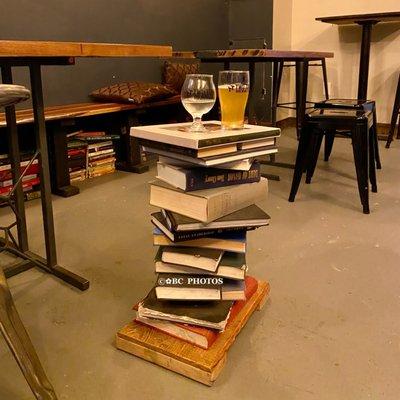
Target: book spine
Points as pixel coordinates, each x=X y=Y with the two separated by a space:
x=190 y=235
x=203 y=178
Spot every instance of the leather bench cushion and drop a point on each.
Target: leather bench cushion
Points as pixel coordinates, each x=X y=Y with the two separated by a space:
x=133 y=92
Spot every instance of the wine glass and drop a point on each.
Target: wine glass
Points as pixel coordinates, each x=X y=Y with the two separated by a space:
x=198 y=97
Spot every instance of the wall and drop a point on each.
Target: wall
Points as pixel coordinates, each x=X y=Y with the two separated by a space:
x=250 y=23
x=308 y=34
x=197 y=24
x=282 y=40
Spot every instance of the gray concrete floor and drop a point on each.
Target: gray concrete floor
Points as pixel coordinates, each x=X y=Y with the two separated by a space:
x=329 y=331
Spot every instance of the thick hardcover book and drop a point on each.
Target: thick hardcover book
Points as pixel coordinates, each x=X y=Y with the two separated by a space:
x=177 y=134
x=27 y=185
x=199 y=336
x=239 y=165
x=209 y=204
x=210 y=314
x=198 y=287
x=6 y=167
x=231 y=266
x=189 y=179
x=206 y=259
x=228 y=241
x=181 y=236
x=246 y=218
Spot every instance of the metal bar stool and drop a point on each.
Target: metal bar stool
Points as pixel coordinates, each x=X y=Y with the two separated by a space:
x=11 y=325
x=395 y=116
x=350 y=104
x=359 y=125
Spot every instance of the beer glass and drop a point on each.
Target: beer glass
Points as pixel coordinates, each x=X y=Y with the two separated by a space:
x=198 y=97
x=233 y=91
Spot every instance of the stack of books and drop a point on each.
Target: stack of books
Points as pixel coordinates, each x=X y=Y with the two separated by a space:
x=101 y=158
x=207 y=188
x=76 y=151
x=30 y=182
x=90 y=154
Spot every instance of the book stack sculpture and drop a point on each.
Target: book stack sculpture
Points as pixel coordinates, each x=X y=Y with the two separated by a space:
x=206 y=189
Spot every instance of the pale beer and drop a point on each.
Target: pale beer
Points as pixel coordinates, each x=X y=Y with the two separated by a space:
x=233 y=101
x=233 y=90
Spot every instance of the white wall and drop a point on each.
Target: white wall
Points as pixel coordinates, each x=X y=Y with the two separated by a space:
x=344 y=41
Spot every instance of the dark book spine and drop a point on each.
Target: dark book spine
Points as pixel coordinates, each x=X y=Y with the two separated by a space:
x=208 y=178
x=190 y=235
x=168 y=147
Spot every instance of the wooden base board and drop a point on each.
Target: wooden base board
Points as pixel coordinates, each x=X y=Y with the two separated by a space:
x=184 y=358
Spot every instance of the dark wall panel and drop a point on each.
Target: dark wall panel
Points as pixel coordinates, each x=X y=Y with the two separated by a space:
x=184 y=24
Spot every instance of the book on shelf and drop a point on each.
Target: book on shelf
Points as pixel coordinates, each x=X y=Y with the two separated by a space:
x=232 y=266
x=227 y=241
x=205 y=259
x=209 y=204
x=9 y=182
x=189 y=179
x=159 y=221
x=26 y=186
x=239 y=165
x=6 y=166
x=177 y=134
x=197 y=335
x=214 y=161
x=209 y=314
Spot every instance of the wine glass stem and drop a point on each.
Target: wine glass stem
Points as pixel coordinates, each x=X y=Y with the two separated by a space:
x=197 y=120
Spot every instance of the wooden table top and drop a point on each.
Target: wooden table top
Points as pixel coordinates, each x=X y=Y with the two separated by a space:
x=392 y=16
x=252 y=54
x=22 y=48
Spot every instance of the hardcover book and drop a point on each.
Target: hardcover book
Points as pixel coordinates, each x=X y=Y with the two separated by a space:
x=210 y=314
x=239 y=165
x=160 y=222
x=197 y=257
x=247 y=217
x=232 y=266
x=228 y=241
x=176 y=134
x=189 y=179
x=209 y=204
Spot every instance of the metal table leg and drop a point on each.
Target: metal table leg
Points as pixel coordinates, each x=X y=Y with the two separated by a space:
x=41 y=142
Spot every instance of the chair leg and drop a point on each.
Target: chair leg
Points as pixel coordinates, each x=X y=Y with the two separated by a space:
x=325 y=78
x=21 y=346
x=329 y=139
x=360 y=151
x=301 y=160
x=377 y=158
x=371 y=163
x=395 y=114
x=314 y=152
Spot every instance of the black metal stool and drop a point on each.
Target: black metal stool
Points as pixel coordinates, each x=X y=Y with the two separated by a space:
x=320 y=122
x=395 y=116
x=350 y=104
x=10 y=323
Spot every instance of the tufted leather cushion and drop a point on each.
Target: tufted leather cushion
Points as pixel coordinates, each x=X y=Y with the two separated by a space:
x=133 y=92
x=175 y=73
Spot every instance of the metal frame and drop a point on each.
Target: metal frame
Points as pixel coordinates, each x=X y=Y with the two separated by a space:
x=30 y=259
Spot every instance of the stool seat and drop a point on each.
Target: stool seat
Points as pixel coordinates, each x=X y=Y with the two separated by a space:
x=13 y=94
x=341 y=115
x=343 y=103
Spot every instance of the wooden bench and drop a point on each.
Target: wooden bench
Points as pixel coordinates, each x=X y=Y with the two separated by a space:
x=114 y=118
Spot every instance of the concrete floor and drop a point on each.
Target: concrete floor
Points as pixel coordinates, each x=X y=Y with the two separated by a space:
x=330 y=330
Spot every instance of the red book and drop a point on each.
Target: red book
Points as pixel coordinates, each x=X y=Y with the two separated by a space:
x=25 y=185
x=5 y=170
x=199 y=336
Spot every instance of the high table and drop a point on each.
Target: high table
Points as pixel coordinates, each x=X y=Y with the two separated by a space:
x=253 y=56
x=367 y=21
x=34 y=54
